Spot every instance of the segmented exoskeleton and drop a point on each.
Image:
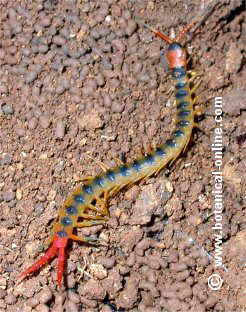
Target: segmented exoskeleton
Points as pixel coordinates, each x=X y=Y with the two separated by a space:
x=94 y=194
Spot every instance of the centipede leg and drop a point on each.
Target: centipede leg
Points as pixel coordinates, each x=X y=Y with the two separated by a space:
x=86 y=179
x=198 y=111
x=103 y=205
x=194 y=88
x=184 y=31
x=91 y=217
x=118 y=161
x=193 y=75
x=195 y=125
x=103 y=211
x=87 y=239
x=114 y=191
x=89 y=223
x=185 y=147
x=104 y=167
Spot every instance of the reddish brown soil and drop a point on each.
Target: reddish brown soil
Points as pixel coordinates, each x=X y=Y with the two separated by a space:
x=80 y=78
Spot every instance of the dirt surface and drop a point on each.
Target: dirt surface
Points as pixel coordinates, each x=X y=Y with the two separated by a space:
x=81 y=78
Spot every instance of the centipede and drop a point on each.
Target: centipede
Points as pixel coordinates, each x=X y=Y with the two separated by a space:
x=88 y=203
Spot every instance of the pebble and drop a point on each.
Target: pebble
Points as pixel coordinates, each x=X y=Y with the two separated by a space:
x=10 y=299
x=7 y=109
x=100 y=80
x=8 y=196
x=71 y=306
x=32 y=124
x=18 y=194
x=234 y=59
x=60 y=129
x=45 y=295
x=98 y=271
x=42 y=308
x=131 y=27
x=58 y=40
x=107 y=262
x=117 y=107
x=107 y=100
x=20 y=131
x=32 y=302
x=60 y=89
x=44 y=121
x=73 y=296
x=90 y=121
x=31 y=76
x=45 y=21
x=43 y=48
x=6 y=159
x=3 y=88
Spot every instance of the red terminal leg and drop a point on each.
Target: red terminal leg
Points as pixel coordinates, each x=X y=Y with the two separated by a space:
x=59 y=244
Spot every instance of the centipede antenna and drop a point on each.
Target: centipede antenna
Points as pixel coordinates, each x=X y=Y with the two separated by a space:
x=201 y=18
x=184 y=31
x=156 y=32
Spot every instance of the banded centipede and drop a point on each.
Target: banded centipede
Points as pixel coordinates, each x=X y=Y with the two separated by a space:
x=97 y=190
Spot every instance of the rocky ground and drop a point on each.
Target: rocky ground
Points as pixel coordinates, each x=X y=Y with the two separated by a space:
x=81 y=81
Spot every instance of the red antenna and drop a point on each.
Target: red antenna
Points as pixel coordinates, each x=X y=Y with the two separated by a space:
x=156 y=32
x=200 y=18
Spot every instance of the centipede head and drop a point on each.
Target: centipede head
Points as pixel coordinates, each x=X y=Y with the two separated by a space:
x=176 y=55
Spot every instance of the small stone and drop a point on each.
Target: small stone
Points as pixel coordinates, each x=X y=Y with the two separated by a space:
x=51 y=196
x=131 y=27
x=194 y=220
x=7 y=109
x=98 y=271
x=233 y=59
x=3 y=88
x=3 y=282
x=8 y=196
x=18 y=194
x=10 y=299
x=45 y=295
x=31 y=76
x=60 y=130
x=44 y=121
x=90 y=121
x=6 y=159
x=43 y=156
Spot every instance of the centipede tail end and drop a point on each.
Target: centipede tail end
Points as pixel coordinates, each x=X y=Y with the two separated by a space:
x=58 y=246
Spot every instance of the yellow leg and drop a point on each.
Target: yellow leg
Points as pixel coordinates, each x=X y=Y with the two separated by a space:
x=103 y=205
x=198 y=111
x=193 y=74
x=89 y=223
x=91 y=217
x=173 y=160
x=186 y=144
x=194 y=88
x=195 y=100
x=103 y=211
x=86 y=179
x=118 y=161
x=159 y=169
x=195 y=125
x=114 y=191
x=100 y=164
x=85 y=239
